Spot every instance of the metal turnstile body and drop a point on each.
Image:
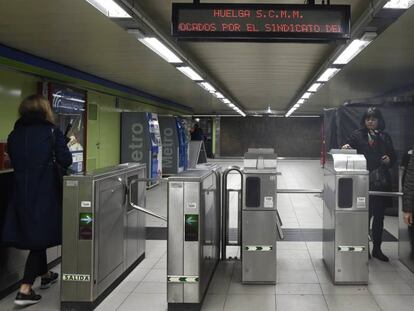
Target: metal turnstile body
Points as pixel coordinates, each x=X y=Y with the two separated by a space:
x=103 y=235
x=259 y=217
x=193 y=235
x=345 y=217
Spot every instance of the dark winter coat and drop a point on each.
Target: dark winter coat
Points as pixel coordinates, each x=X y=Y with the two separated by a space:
x=408 y=205
x=382 y=146
x=373 y=153
x=197 y=134
x=34 y=214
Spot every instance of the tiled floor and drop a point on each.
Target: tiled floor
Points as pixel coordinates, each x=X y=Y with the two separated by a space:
x=302 y=280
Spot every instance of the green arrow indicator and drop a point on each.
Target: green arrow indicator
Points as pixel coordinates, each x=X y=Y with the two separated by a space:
x=191 y=219
x=85 y=218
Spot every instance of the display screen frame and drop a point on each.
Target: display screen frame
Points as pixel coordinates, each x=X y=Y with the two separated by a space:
x=261 y=36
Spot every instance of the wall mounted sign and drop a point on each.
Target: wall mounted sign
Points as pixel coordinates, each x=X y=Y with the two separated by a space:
x=260 y=22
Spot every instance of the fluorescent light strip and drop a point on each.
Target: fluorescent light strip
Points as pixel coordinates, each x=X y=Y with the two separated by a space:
x=306 y=95
x=398 y=4
x=351 y=51
x=314 y=87
x=328 y=74
x=296 y=106
x=109 y=8
x=208 y=87
x=218 y=95
x=232 y=105
x=189 y=72
x=300 y=101
x=158 y=47
x=226 y=101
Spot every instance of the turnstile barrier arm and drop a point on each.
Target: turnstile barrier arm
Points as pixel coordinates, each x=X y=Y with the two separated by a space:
x=137 y=207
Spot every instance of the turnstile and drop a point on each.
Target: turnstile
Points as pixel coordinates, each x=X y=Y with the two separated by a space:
x=103 y=234
x=259 y=217
x=345 y=217
x=193 y=235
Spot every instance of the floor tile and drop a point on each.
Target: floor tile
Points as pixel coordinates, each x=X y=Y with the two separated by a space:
x=151 y=288
x=390 y=288
x=298 y=289
x=330 y=289
x=301 y=303
x=112 y=302
x=239 y=288
x=351 y=303
x=395 y=302
x=156 y=276
x=214 y=303
x=294 y=264
x=250 y=303
x=147 y=302
x=298 y=277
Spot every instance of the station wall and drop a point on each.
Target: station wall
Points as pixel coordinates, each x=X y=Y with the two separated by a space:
x=103 y=126
x=290 y=137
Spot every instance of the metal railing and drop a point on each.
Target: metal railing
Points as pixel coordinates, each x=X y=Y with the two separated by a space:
x=225 y=234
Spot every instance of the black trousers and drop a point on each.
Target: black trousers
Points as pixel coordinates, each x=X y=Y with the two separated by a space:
x=376 y=211
x=36 y=265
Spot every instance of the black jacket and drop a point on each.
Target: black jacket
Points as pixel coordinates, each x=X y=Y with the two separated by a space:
x=33 y=218
x=408 y=205
x=382 y=146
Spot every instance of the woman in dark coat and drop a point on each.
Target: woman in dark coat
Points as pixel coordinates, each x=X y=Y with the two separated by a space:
x=34 y=216
x=376 y=145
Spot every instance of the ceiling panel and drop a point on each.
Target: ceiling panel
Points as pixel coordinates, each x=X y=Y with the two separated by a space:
x=385 y=66
x=257 y=76
x=74 y=33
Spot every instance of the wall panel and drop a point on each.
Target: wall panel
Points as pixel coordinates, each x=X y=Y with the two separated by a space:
x=290 y=137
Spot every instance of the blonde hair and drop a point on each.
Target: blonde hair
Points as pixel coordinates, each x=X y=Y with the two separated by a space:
x=36 y=104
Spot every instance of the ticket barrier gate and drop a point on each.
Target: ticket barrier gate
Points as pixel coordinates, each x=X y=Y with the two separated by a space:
x=345 y=217
x=103 y=234
x=193 y=247
x=259 y=224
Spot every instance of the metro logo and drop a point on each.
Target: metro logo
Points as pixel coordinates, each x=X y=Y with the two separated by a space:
x=168 y=151
x=137 y=142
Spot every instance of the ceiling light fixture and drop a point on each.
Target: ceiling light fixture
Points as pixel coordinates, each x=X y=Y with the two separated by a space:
x=306 y=95
x=189 y=72
x=158 y=47
x=232 y=105
x=207 y=86
x=398 y=4
x=301 y=101
x=314 y=87
x=218 y=95
x=351 y=51
x=226 y=101
x=109 y=8
x=328 y=74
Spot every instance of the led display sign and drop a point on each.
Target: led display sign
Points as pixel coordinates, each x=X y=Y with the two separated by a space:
x=260 y=22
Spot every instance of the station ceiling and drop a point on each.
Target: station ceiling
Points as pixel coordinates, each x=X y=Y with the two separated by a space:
x=255 y=75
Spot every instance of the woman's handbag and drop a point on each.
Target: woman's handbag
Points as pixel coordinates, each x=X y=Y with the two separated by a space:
x=379 y=179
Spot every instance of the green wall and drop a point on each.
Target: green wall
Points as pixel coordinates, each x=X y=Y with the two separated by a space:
x=14 y=87
x=103 y=127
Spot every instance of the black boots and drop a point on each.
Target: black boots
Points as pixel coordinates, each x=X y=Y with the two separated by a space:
x=377 y=253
